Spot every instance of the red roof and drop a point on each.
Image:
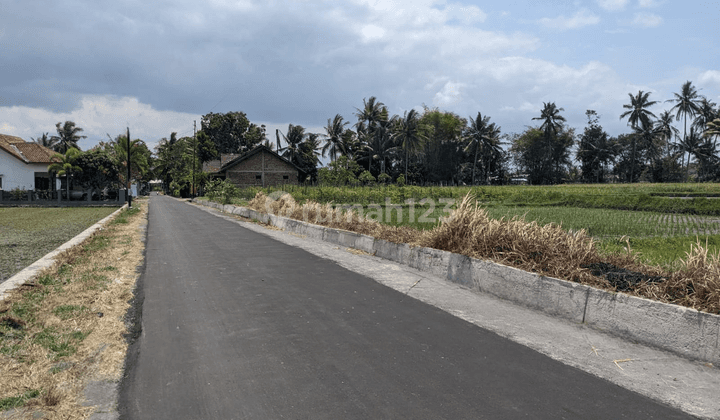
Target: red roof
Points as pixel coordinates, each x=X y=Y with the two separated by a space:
x=27 y=152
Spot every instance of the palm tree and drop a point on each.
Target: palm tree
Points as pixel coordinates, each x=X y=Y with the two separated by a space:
x=138 y=159
x=666 y=129
x=408 y=133
x=334 y=135
x=68 y=136
x=64 y=165
x=706 y=114
x=551 y=118
x=551 y=126
x=686 y=103
x=713 y=128
x=46 y=141
x=690 y=145
x=369 y=117
x=637 y=110
x=293 y=139
x=482 y=136
x=637 y=113
x=382 y=142
x=311 y=148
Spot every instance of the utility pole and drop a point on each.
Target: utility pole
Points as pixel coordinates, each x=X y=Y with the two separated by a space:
x=194 y=154
x=129 y=199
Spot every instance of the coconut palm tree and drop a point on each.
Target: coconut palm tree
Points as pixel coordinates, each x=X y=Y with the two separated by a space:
x=369 y=117
x=46 y=141
x=637 y=110
x=705 y=114
x=68 y=136
x=293 y=140
x=408 y=134
x=690 y=145
x=551 y=118
x=482 y=137
x=138 y=157
x=381 y=144
x=551 y=126
x=686 y=103
x=713 y=128
x=638 y=117
x=666 y=129
x=65 y=165
x=334 y=137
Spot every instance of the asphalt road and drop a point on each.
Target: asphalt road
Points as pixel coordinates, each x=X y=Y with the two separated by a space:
x=236 y=325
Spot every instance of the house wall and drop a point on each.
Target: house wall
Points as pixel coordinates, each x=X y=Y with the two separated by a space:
x=17 y=174
x=270 y=169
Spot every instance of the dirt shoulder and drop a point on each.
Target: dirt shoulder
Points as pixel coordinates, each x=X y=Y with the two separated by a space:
x=63 y=335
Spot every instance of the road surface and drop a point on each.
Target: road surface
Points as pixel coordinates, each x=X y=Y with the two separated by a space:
x=236 y=325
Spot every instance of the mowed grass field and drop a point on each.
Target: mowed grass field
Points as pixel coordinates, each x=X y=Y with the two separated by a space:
x=659 y=221
x=28 y=233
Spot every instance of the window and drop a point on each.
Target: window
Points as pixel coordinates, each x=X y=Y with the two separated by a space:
x=286 y=177
x=258 y=177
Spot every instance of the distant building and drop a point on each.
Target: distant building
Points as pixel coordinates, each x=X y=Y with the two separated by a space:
x=260 y=167
x=24 y=165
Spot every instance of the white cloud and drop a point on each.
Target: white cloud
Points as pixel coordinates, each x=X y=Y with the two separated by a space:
x=647 y=20
x=578 y=20
x=372 y=33
x=710 y=77
x=647 y=3
x=449 y=95
x=612 y=5
x=98 y=116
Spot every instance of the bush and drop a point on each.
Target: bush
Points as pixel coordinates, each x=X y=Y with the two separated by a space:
x=366 y=178
x=400 y=181
x=222 y=190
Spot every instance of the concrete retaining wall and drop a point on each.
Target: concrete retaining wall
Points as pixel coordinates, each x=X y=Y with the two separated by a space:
x=681 y=330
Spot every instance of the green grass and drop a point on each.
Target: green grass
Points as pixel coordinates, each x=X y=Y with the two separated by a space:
x=60 y=343
x=27 y=234
x=18 y=401
x=66 y=312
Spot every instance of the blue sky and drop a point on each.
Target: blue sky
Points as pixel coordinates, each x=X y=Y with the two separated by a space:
x=157 y=66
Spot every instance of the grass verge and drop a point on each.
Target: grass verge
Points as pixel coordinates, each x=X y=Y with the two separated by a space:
x=66 y=327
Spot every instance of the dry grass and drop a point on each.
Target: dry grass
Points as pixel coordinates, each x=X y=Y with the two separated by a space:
x=546 y=249
x=73 y=323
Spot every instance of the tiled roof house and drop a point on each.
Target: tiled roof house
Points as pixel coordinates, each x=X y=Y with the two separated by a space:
x=24 y=164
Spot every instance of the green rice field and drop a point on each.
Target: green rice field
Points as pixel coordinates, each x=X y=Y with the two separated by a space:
x=659 y=221
x=28 y=233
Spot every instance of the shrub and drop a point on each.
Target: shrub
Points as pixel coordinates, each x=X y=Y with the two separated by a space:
x=366 y=178
x=222 y=190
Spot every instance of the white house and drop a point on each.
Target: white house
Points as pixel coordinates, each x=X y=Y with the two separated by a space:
x=24 y=164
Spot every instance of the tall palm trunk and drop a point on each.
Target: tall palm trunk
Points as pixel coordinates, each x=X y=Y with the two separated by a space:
x=474 y=163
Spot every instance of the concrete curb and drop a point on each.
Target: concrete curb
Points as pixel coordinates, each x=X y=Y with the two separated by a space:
x=48 y=260
x=680 y=330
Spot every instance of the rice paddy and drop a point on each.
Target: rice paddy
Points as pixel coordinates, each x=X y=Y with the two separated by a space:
x=28 y=233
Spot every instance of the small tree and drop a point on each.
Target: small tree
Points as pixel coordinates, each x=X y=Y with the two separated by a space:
x=366 y=178
x=65 y=165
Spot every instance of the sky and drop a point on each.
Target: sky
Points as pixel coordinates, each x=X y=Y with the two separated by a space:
x=157 y=66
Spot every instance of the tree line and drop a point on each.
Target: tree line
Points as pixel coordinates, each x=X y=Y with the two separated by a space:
x=103 y=166
x=440 y=147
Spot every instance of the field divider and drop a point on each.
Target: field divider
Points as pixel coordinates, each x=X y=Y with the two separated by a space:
x=47 y=261
x=677 y=329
